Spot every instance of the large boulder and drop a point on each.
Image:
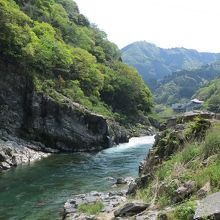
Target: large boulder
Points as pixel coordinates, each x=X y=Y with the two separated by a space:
x=184 y=191
x=130 y=209
x=208 y=208
x=203 y=192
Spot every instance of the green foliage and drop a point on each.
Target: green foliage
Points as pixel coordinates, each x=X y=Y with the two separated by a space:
x=198 y=160
x=212 y=141
x=210 y=173
x=211 y=95
x=146 y=194
x=181 y=86
x=164 y=170
x=68 y=57
x=164 y=111
x=163 y=201
x=15 y=30
x=85 y=70
x=197 y=129
x=189 y=153
x=126 y=92
x=185 y=211
x=91 y=209
x=73 y=91
x=169 y=143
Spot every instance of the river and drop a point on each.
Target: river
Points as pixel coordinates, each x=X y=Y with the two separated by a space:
x=39 y=190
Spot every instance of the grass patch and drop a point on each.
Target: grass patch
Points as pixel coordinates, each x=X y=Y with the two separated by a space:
x=210 y=173
x=185 y=211
x=190 y=152
x=146 y=194
x=164 y=170
x=212 y=141
x=91 y=209
x=163 y=201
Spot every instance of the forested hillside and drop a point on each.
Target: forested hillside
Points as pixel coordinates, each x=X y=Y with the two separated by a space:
x=66 y=56
x=181 y=86
x=211 y=95
x=153 y=63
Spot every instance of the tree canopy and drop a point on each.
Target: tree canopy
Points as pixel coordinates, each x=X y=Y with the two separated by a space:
x=68 y=56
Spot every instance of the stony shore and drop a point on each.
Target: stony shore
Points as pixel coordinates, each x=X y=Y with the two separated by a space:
x=13 y=153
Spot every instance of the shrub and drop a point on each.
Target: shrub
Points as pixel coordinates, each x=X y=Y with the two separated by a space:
x=189 y=152
x=185 y=211
x=210 y=173
x=197 y=129
x=164 y=170
x=91 y=209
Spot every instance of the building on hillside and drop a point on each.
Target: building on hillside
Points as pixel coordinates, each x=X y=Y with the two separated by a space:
x=194 y=104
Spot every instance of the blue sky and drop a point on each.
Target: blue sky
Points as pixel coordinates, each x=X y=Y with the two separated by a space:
x=167 y=23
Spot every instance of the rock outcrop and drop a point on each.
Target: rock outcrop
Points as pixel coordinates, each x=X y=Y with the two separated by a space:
x=208 y=208
x=109 y=201
x=59 y=125
x=184 y=191
x=189 y=116
x=13 y=153
x=131 y=209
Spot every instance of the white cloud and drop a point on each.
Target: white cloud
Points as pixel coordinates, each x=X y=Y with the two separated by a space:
x=167 y=23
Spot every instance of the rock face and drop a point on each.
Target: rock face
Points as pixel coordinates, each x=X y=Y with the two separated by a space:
x=59 y=125
x=208 y=208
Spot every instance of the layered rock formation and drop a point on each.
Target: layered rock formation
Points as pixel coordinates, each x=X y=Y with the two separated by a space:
x=50 y=125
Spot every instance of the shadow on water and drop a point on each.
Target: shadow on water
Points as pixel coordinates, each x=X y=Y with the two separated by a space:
x=38 y=190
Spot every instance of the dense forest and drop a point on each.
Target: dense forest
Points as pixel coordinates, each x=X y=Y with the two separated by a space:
x=211 y=95
x=181 y=86
x=154 y=63
x=67 y=56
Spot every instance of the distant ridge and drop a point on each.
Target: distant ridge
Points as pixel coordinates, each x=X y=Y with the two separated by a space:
x=153 y=62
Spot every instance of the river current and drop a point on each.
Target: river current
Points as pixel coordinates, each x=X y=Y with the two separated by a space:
x=38 y=191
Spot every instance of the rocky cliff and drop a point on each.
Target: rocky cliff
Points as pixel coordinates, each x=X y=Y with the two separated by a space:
x=52 y=126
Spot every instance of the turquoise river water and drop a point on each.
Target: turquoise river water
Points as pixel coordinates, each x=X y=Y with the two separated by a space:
x=38 y=191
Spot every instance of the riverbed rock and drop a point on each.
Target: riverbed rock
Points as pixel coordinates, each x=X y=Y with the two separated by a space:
x=110 y=201
x=132 y=188
x=139 y=182
x=208 y=208
x=15 y=153
x=123 y=181
x=131 y=208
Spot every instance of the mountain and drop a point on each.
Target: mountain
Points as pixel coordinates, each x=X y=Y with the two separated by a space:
x=153 y=63
x=182 y=85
